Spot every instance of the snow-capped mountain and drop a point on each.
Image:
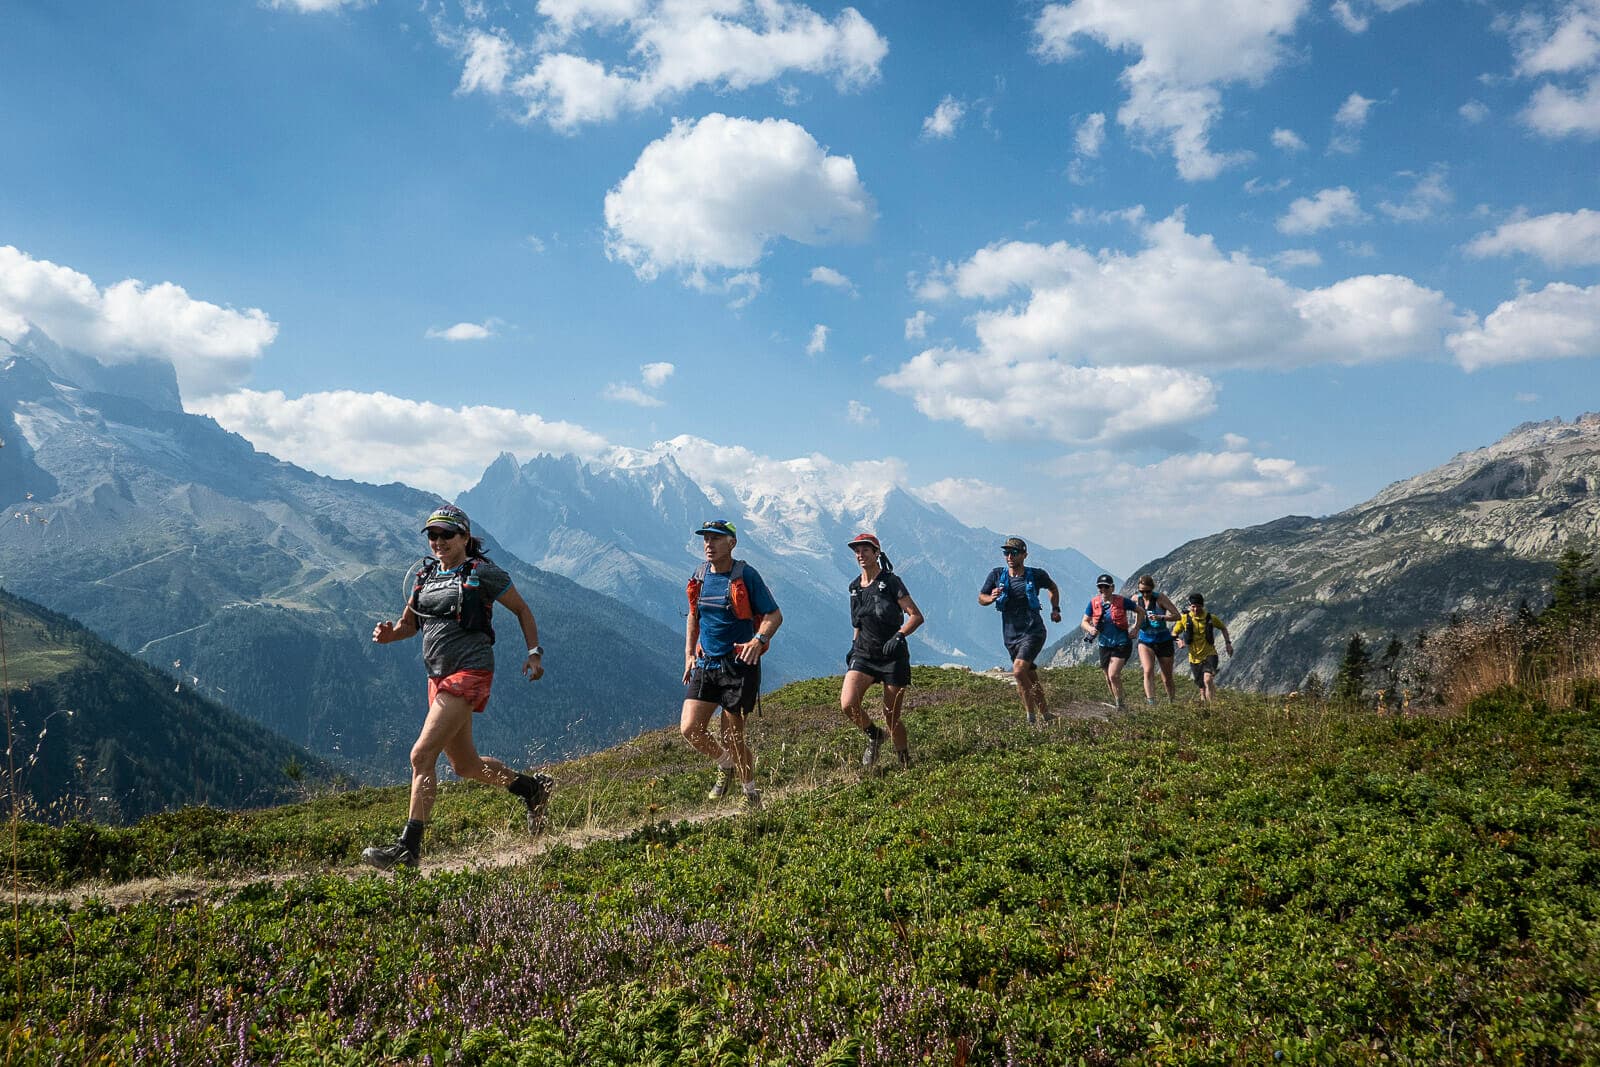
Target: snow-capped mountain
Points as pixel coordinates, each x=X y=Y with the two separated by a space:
x=626 y=528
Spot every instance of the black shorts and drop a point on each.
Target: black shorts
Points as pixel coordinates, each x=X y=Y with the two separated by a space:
x=1111 y=652
x=731 y=685
x=1025 y=647
x=894 y=671
x=1163 y=649
x=1203 y=668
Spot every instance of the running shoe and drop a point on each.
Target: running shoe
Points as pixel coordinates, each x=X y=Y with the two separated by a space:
x=719 y=788
x=904 y=756
x=538 y=803
x=384 y=857
x=752 y=801
x=874 y=743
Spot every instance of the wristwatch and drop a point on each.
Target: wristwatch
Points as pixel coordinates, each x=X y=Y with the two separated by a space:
x=763 y=638
x=536 y=650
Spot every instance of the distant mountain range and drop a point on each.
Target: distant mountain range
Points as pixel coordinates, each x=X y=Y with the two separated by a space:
x=259 y=582
x=1481 y=532
x=97 y=734
x=627 y=529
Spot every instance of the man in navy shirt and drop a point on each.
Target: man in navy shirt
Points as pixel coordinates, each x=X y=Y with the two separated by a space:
x=1014 y=589
x=732 y=617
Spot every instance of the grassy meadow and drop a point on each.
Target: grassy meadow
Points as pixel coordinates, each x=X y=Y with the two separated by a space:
x=1259 y=880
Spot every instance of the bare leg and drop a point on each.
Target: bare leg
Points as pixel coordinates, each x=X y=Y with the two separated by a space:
x=447 y=717
x=1114 y=678
x=852 y=693
x=733 y=741
x=893 y=695
x=1030 y=689
x=696 y=715
x=1166 y=676
x=1147 y=660
x=1210 y=687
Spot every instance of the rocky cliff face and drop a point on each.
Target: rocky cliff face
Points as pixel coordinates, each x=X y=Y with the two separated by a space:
x=1482 y=530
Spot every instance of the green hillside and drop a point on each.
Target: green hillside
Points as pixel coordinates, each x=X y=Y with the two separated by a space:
x=97 y=734
x=1248 y=882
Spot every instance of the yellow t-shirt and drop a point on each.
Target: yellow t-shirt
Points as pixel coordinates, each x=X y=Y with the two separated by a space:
x=1193 y=631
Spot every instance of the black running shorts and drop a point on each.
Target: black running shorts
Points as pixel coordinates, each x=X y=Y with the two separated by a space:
x=1203 y=668
x=894 y=671
x=1026 y=647
x=732 y=686
x=1111 y=652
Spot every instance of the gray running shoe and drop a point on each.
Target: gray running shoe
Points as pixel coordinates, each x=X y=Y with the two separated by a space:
x=752 y=801
x=719 y=788
x=538 y=804
x=384 y=857
x=874 y=744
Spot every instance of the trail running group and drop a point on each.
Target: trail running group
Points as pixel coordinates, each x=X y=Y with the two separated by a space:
x=731 y=622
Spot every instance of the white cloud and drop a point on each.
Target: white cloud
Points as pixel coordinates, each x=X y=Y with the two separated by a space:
x=711 y=195
x=487 y=64
x=1329 y=207
x=1186 y=53
x=1078 y=334
x=1473 y=111
x=462 y=331
x=1292 y=258
x=819 y=340
x=1359 y=249
x=1560 y=321
x=314 y=6
x=380 y=438
x=630 y=394
x=1091 y=135
x=917 y=325
x=1428 y=194
x=211 y=348
x=1350 y=119
x=1287 y=140
x=1560 y=239
x=831 y=278
x=1257 y=187
x=1355 y=15
x=655 y=375
x=942 y=124
x=674 y=47
x=1557 y=112
x=859 y=413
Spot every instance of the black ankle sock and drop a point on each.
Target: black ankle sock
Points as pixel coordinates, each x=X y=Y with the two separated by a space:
x=873 y=730
x=411 y=836
x=525 y=785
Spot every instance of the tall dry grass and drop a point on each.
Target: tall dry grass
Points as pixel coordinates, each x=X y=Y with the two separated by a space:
x=1480 y=656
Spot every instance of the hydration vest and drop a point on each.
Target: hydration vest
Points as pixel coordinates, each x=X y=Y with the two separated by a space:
x=1116 y=606
x=1030 y=585
x=1211 y=630
x=1152 y=603
x=473 y=609
x=737 y=600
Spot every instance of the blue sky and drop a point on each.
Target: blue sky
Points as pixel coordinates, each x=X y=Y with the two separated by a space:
x=1110 y=274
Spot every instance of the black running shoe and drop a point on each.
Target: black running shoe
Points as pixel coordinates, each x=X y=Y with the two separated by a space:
x=538 y=803
x=384 y=857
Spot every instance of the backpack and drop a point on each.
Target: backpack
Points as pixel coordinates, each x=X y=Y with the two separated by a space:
x=472 y=612
x=1030 y=585
x=1211 y=629
x=1116 y=607
x=1153 y=603
x=737 y=601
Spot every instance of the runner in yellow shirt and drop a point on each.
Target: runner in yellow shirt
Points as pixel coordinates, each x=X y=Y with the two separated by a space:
x=1195 y=631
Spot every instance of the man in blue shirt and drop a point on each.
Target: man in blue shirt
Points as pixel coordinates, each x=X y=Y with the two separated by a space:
x=1014 y=589
x=732 y=617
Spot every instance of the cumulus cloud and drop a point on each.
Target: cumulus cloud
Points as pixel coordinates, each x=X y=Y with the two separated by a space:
x=859 y=413
x=1473 y=111
x=1076 y=335
x=917 y=325
x=462 y=331
x=1563 y=46
x=1329 y=207
x=831 y=278
x=1560 y=239
x=1349 y=121
x=1356 y=15
x=946 y=118
x=1291 y=258
x=1287 y=140
x=711 y=196
x=211 y=348
x=1187 y=53
x=1429 y=192
x=1560 y=321
x=1091 y=135
x=314 y=6
x=652 y=375
x=376 y=437
x=674 y=47
x=819 y=340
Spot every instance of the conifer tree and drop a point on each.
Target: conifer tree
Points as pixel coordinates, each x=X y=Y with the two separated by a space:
x=1351 y=680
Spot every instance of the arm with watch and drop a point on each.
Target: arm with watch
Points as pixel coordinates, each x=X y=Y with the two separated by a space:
x=752 y=650
x=533 y=665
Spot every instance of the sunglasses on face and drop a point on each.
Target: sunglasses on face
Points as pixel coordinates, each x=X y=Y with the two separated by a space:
x=1011 y=551
x=442 y=535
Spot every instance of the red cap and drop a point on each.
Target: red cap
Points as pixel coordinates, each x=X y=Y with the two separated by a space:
x=863 y=539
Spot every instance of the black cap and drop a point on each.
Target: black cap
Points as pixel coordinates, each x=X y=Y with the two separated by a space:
x=1106 y=579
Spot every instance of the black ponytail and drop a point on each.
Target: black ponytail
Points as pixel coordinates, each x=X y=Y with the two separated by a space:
x=883 y=561
x=475 y=548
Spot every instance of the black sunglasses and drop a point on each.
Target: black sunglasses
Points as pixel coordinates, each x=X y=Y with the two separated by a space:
x=443 y=535
x=719 y=525
x=1011 y=551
